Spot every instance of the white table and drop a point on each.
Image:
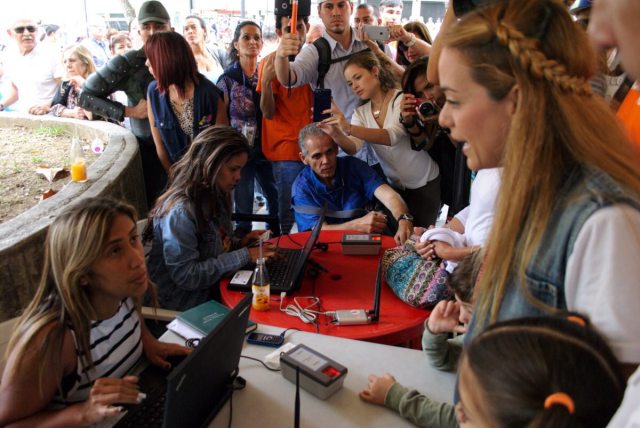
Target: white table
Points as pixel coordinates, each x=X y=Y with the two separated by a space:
x=268 y=399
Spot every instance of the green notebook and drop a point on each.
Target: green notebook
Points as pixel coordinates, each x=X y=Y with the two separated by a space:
x=200 y=320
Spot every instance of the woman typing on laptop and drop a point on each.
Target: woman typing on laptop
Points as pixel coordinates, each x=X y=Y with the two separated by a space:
x=193 y=243
x=67 y=360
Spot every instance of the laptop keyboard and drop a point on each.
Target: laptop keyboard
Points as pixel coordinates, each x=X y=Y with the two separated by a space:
x=150 y=413
x=147 y=414
x=279 y=267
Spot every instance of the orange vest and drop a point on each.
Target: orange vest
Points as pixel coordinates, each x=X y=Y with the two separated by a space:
x=629 y=115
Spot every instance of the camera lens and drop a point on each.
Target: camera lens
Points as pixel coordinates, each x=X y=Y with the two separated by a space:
x=427 y=108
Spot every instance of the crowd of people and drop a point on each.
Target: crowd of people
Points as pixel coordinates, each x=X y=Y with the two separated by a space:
x=502 y=117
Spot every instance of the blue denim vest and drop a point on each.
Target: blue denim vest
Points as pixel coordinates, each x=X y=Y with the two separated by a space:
x=205 y=110
x=585 y=191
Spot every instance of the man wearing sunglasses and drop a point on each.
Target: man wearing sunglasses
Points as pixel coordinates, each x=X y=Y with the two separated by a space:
x=33 y=70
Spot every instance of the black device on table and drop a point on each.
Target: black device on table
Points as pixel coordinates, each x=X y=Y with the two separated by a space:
x=264 y=339
x=286 y=271
x=362 y=316
x=197 y=388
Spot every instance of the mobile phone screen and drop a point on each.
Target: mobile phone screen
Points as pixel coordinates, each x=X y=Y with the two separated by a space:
x=265 y=339
x=321 y=102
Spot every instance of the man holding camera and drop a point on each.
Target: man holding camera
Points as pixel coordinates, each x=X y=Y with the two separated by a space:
x=345 y=186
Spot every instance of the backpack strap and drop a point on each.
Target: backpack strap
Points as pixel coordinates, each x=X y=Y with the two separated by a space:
x=324 y=59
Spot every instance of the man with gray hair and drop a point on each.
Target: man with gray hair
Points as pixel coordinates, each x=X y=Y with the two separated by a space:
x=345 y=185
x=33 y=70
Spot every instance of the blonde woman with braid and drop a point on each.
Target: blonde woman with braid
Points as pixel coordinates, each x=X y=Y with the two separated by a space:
x=566 y=232
x=71 y=350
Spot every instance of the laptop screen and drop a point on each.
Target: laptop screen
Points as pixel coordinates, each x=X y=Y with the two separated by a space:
x=201 y=384
x=308 y=246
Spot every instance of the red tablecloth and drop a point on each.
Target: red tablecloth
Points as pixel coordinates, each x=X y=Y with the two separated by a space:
x=349 y=284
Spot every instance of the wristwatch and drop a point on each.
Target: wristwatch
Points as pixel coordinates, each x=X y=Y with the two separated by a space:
x=1 y=107
x=407 y=125
x=405 y=216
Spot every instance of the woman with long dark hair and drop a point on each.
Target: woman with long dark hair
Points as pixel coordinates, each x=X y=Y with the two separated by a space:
x=239 y=83
x=193 y=243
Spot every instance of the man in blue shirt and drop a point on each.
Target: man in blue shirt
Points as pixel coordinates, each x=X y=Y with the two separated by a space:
x=345 y=185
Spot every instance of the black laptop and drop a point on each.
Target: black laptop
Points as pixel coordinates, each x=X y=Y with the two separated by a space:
x=287 y=270
x=197 y=388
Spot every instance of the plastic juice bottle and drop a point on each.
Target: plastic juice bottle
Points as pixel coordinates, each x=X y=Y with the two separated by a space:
x=78 y=165
x=260 y=287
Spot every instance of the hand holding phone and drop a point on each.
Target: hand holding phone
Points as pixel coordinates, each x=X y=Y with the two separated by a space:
x=321 y=102
x=377 y=32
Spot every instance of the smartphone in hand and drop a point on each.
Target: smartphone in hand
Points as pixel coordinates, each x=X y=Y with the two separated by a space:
x=377 y=32
x=321 y=102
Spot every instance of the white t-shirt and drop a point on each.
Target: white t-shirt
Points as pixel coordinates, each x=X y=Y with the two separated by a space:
x=603 y=277
x=403 y=166
x=34 y=74
x=628 y=415
x=477 y=217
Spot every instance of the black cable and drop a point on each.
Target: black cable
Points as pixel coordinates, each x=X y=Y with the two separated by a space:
x=230 y=408
x=296 y=414
x=261 y=362
x=192 y=342
x=294 y=241
x=285 y=331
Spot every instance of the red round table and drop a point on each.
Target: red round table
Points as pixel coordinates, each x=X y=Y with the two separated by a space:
x=349 y=284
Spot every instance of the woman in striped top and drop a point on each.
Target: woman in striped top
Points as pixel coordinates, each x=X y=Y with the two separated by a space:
x=82 y=332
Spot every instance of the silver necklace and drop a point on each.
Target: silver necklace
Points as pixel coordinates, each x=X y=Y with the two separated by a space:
x=376 y=113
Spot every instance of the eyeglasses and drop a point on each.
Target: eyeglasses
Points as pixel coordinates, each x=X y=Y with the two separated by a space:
x=29 y=28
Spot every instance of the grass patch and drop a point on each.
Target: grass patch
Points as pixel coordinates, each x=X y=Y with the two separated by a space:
x=51 y=131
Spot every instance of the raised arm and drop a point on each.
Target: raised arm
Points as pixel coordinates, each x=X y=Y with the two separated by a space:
x=268 y=73
x=434 y=56
x=289 y=45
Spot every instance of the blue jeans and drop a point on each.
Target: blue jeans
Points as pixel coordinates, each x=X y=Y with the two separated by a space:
x=257 y=168
x=285 y=173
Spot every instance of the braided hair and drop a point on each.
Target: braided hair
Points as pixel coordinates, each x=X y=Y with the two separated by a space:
x=534 y=49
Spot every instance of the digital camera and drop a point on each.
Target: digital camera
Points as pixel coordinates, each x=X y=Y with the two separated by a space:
x=426 y=107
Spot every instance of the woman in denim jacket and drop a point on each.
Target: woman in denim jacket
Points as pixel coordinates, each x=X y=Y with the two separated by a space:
x=566 y=233
x=193 y=243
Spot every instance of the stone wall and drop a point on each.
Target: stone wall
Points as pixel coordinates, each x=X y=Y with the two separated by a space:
x=116 y=173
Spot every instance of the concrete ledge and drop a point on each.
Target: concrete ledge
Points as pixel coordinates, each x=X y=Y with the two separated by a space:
x=116 y=173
